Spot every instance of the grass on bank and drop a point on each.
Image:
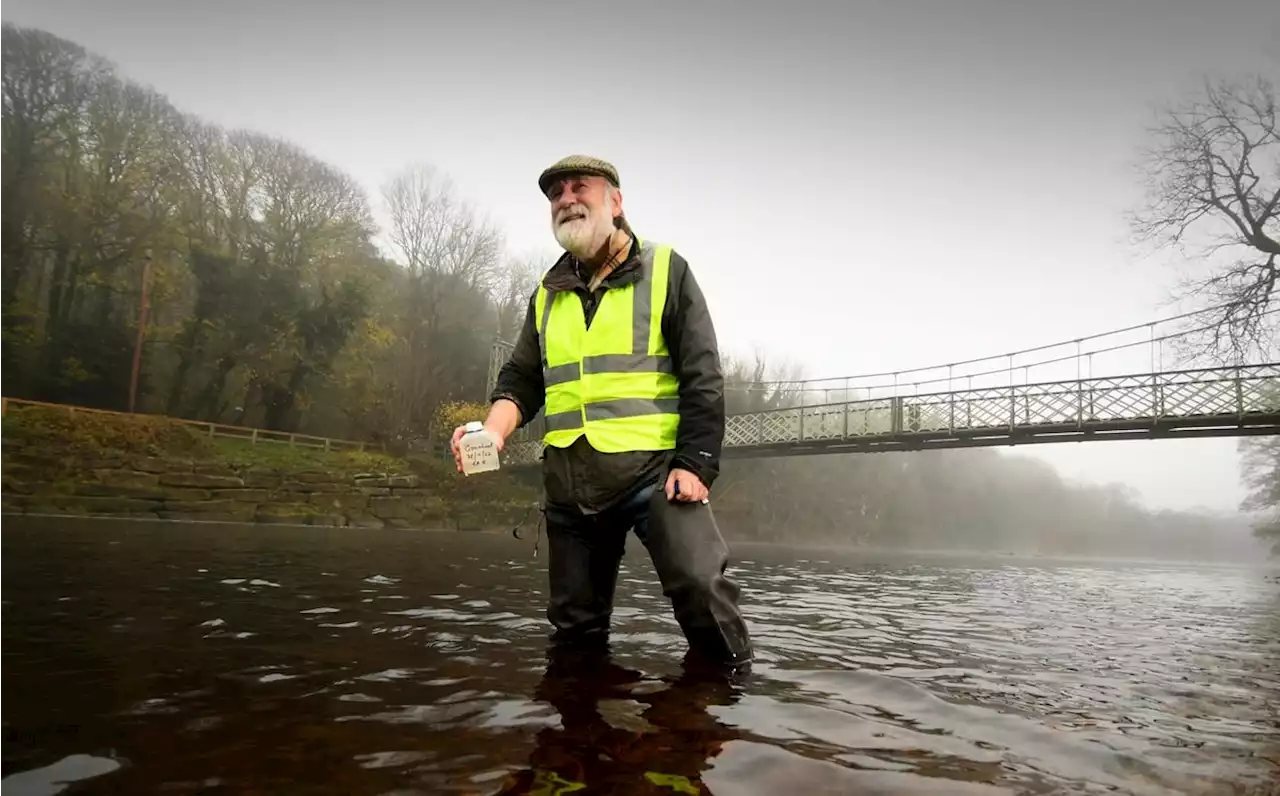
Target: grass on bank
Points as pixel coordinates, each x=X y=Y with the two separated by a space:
x=53 y=450
x=241 y=454
x=57 y=433
x=57 y=441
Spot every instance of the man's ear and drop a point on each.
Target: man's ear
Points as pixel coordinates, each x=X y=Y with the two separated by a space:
x=617 y=202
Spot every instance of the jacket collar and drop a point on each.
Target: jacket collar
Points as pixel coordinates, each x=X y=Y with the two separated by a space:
x=567 y=273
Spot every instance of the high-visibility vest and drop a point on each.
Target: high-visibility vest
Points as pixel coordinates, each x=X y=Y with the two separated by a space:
x=614 y=382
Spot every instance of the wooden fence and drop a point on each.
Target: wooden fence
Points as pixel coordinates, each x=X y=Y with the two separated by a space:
x=252 y=435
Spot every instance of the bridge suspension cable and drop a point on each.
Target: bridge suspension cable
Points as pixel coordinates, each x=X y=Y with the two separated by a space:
x=947 y=370
x=902 y=378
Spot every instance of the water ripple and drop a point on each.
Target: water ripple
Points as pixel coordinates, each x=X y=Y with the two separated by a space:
x=252 y=660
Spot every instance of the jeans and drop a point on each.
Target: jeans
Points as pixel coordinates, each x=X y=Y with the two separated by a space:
x=687 y=551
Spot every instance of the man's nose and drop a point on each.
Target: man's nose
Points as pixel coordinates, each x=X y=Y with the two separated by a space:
x=565 y=195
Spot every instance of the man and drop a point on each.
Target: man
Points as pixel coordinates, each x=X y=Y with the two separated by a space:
x=619 y=348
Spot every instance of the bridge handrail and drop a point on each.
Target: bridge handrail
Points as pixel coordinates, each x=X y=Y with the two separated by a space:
x=223 y=430
x=1067 y=385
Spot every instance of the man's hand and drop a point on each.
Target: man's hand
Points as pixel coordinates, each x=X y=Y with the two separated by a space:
x=692 y=490
x=503 y=420
x=461 y=430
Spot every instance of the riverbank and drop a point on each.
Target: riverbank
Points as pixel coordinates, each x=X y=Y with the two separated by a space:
x=146 y=467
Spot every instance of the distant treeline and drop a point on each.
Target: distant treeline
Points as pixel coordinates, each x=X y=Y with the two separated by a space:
x=1260 y=471
x=270 y=305
x=975 y=499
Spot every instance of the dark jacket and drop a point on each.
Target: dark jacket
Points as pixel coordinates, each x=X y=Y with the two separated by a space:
x=583 y=477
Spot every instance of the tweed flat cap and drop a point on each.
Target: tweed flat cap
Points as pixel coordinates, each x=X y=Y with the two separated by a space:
x=578 y=164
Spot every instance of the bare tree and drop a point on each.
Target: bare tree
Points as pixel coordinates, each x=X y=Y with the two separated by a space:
x=511 y=292
x=758 y=386
x=413 y=199
x=1213 y=191
x=453 y=260
x=433 y=230
x=1260 y=472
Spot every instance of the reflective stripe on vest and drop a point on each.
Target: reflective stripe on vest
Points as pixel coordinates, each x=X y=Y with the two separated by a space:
x=613 y=382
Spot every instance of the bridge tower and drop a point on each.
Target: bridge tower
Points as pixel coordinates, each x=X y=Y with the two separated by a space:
x=498 y=353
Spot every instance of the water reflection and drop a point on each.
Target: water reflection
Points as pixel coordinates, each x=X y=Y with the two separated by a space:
x=144 y=658
x=623 y=732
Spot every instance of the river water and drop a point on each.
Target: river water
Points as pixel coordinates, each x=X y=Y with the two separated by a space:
x=160 y=658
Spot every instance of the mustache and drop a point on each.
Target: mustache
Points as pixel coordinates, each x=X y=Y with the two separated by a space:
x=574 y=210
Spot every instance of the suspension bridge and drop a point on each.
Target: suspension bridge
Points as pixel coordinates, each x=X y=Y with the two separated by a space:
x=993 y=400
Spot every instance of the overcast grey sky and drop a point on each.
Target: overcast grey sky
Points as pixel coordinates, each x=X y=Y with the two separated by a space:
x=858 y=186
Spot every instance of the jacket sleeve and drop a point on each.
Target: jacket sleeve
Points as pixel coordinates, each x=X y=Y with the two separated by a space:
x=691 y=338
x=520 y=379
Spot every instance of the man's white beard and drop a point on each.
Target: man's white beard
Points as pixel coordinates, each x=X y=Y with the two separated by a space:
x=579 y=237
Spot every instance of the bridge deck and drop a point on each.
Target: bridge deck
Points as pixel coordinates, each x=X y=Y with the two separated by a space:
x=1236 y=401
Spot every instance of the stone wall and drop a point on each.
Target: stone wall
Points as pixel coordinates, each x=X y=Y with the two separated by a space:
x=149 y=487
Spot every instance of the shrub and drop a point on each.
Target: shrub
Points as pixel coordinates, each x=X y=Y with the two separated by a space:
x=451 y=415
x=94 y=433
